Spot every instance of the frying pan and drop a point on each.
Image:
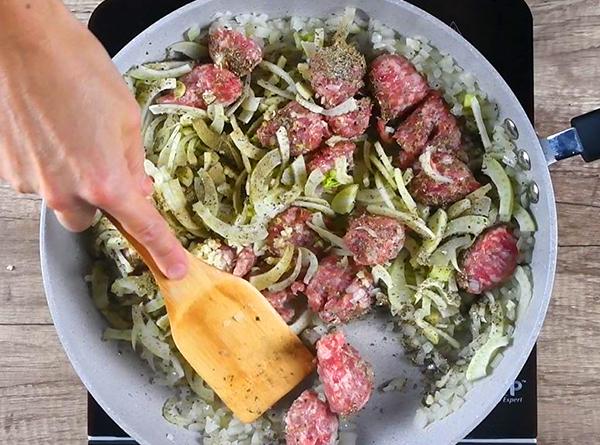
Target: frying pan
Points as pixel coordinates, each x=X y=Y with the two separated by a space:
x=120 y=381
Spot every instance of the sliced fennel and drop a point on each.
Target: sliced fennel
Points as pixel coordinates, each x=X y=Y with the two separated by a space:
x=497 y=174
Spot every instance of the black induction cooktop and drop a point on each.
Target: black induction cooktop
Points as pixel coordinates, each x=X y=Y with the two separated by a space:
x=503 y=31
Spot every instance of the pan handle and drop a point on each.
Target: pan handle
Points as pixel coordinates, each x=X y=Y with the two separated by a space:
x=583 y=138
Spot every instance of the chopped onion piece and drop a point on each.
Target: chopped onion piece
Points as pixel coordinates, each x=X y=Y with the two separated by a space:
x=178 y=109
x=447 y=252
x=318 y=226
x=345 y=200
x=458 y=208
x=193 y=50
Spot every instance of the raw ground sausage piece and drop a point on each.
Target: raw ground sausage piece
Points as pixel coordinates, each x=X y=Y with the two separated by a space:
x=431 y=124
x=207 y=84
x=396 y=85
x=354 y=123
x=289 y=227
x=244 y=262
x=324 y=159
x=306 y=130
x=336 y=73
x=355 y=302
x=309 y=421
x=340 y=290
x=490 y=262
x=347 y=378
x=374 y=239
x=429 y=191
x=283 y=302
x=234 y=51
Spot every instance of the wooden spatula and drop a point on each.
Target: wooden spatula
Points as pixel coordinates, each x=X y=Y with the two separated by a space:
x=230 y=335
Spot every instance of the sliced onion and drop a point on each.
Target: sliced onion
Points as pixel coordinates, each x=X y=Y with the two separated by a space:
x=177 y=204
x=471 y=224
x=243 y=235
x=383 y=157
x=476 y=107
x=458 y=208
x=143 y=72
x=310 y=260
x=313 y=182
x=211 y=197
x=325 y=209
x=318 y=226
x=243 y=144
x=429 y=168
x=193 y=50
x=261 y=175
x=218 y=117
x=385 y=196
x=276 y=90
x=271 y=276
x=408 y=200
x=345 y=107
x=303 y=321
x=299 y=169
x=178 y=109
x=447 y=252
x=310 y=106
x=279 y=72
x=206 y=135
x=284 y=144
x=291 y=278
x=413 y=222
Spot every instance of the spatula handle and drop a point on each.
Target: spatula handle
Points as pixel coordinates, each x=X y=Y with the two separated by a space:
x=141 y=250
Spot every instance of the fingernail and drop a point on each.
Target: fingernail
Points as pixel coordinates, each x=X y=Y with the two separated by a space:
x=177 y=271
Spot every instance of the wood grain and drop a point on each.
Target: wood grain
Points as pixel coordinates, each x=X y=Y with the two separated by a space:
x=42 y=401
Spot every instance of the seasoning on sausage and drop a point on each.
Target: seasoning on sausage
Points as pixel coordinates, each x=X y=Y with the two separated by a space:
x=207 y=84
x=233 y=51
x=305 y=129
x=340 y=290
x=309 y=421
x=429 y=191
x=324 y=159
x=354 y=123
x=396 y=85
x=336 y=73
x=347 y=378
x=374 y=239
x=289 y=227
x=282 y=301
x=430 y=124
x=490 y=262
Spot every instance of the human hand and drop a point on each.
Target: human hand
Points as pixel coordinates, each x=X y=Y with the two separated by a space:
x=70 y=129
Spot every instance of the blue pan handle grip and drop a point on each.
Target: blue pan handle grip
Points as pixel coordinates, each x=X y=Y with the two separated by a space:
x=583 y=138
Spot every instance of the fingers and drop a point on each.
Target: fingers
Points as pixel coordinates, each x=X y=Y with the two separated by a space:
x=141 y=219
x=77 y=218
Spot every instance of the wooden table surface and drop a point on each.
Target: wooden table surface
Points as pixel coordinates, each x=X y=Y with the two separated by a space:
x=43 y=402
